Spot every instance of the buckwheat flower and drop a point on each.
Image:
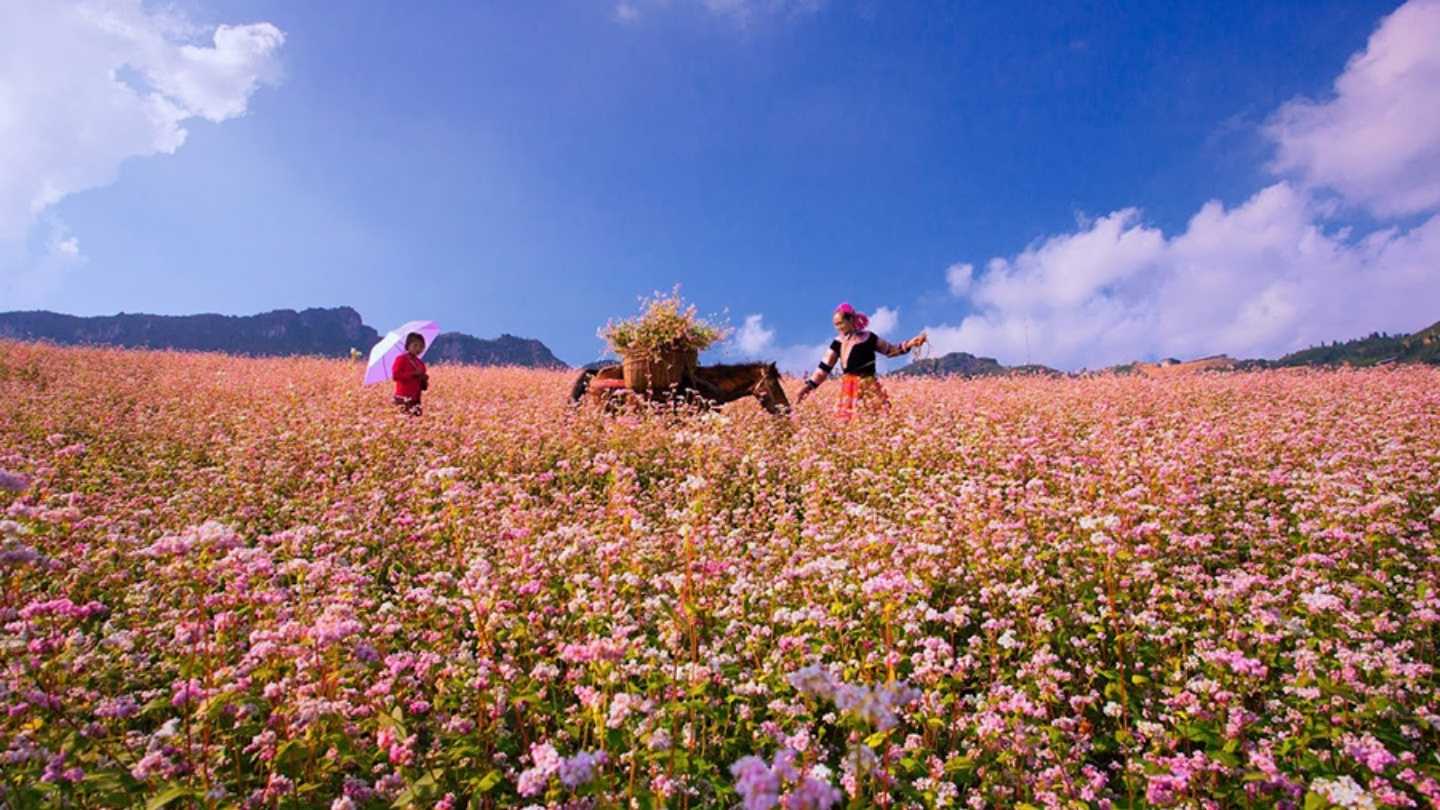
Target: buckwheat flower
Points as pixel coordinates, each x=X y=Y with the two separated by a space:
x=14 y=553
x=620 y=706
x=759 y=788
x=813 y=791
x=13 y=481
x=154 y=762
x=56 y=772
x=659 y=740
x=390 y=784
x=662 y=785
x=117 y=708
x=1343 y=792
x=187 y=693
x=531 y=781
x=546 y=760
x=1369 y=752
x=342 y=803
x=1319 y=601
x=441 y=474
x=813 y=680
x=579 y=769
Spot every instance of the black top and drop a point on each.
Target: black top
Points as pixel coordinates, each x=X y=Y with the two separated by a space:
x=861 y=359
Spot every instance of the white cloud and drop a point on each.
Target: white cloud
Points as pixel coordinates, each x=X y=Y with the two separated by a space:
x=86 y=85
x=1259 y=279
x=1377 y=142
x=884 y=320
x=66 y=246
x=958 y=277
x=752 y=338
x=626 y=12
x=37 y=271
x=800 y=359
x=1265 y=277
x=755 y=341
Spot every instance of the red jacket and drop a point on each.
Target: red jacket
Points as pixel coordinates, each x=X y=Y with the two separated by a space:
x=407 y=372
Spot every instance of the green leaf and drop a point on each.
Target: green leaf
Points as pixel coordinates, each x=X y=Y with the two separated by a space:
x=1314 y=801
x=487 y=783
x=877 y=739
x=416 y=789
x=165 y=797
x=290 y=752
x=955 y=765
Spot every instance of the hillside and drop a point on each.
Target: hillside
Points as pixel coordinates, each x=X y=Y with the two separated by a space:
x=1376 y=349
x=327 y=332
x=330 y=332
x=964 y=364
x=506 y=350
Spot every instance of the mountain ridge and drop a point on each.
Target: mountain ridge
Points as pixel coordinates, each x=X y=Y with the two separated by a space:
x=1374 y=350
x=316 y=331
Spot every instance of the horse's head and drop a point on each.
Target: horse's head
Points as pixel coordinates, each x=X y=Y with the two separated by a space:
x=770 y=392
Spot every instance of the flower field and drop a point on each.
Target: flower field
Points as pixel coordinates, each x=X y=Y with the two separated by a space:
x=250 y=583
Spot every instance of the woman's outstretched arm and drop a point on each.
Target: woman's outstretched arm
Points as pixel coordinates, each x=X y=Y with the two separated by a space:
x=827 y=364
x=821 y=371
x=895 y=350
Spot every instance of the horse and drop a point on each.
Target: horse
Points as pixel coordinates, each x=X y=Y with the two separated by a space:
x=710 y=385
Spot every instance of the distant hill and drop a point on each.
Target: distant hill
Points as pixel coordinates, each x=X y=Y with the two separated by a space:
x=964 y=364
x=1171 y=367
x=283 y=332
x=507 y=350
x=327 y=332
x=1377 y=349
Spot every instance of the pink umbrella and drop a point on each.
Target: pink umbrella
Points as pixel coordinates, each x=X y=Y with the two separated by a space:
x=382 y=357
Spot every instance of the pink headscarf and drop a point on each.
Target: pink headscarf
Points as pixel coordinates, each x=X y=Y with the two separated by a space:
x=860 y=319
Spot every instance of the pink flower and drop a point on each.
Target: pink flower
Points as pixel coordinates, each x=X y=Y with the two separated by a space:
x=187 y=693
x=1368 y=751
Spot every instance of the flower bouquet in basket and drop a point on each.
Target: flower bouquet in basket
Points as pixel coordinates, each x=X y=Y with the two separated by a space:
x=663 y=342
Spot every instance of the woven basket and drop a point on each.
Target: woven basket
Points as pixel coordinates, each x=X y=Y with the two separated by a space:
x=658 y=372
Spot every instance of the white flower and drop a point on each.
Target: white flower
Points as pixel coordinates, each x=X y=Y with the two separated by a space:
x=1343 y=792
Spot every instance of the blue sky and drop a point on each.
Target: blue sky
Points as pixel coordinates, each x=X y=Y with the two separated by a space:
x=532 y=168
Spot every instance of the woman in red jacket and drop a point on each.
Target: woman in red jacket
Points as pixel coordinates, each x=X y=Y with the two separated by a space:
x=410 y=375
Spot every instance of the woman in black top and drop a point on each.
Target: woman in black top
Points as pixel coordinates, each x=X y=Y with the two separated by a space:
x=855 y=351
